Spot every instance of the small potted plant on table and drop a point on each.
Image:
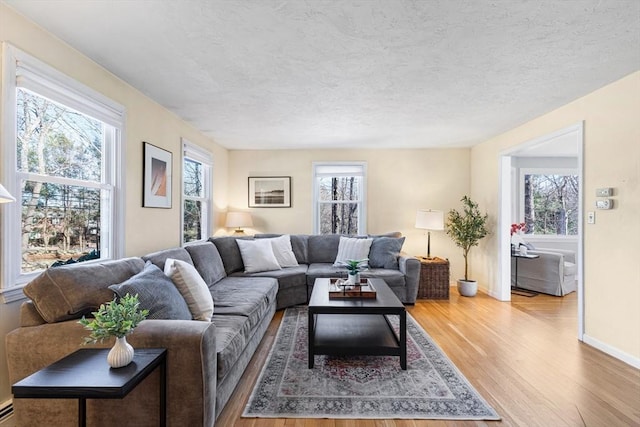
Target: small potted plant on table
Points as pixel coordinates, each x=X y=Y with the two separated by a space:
x=117 y=319
x=354 y=267
x=466 y=229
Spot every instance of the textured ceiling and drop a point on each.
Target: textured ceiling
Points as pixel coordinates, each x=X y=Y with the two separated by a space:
x=256 y=74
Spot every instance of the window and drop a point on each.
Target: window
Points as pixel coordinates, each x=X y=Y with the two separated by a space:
x=550 y=201
x=64 y=169
x=196 y=194
x=339 y=198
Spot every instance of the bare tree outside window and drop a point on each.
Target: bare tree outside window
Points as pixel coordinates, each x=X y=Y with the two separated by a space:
x=339 y=204
x=193 y=179
x=551 y=204
x=60 y=155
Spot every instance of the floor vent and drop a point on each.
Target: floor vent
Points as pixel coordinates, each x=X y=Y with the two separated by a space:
x=6 y=411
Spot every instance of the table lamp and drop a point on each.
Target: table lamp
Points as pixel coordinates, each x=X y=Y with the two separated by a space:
x=428 y=219
x=238 y=220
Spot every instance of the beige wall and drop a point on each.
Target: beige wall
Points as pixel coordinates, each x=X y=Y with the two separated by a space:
x=399 y=182
x=145 y=229
x=611 y=118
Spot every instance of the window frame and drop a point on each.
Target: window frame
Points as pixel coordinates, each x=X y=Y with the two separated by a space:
x=198 y=154
x=542 y=171
x=362 y=203
x=22 y=70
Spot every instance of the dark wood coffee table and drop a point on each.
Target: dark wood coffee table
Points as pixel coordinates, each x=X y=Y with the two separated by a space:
x=357 y=326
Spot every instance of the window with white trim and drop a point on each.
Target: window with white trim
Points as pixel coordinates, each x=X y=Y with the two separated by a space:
x=62 y=161
x=196 y=193
x=549 y=201
x=339 y=198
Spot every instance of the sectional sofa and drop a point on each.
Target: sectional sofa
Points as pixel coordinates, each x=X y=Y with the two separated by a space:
x=206 y=358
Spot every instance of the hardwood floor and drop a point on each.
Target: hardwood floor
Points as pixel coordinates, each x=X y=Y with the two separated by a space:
x=523 y=357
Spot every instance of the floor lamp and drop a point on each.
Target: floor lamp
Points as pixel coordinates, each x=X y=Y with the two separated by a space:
x=428 y=219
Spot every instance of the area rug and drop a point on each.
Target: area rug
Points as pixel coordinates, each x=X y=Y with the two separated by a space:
x=366 y=387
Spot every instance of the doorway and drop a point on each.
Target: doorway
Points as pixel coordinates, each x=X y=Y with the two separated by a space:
x=567 y=142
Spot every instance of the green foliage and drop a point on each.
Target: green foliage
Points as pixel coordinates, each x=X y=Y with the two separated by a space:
x=355 y=265
x=466 y=229
x=115 y=318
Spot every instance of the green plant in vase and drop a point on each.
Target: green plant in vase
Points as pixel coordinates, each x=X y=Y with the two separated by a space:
x=354 y=267
x=117 y=319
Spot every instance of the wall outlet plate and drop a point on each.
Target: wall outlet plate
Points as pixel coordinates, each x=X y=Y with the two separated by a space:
x=604 y=204
x=604 y=192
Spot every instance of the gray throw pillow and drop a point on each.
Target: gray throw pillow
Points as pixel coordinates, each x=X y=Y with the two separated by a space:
x=156 y=293
x=384 y=252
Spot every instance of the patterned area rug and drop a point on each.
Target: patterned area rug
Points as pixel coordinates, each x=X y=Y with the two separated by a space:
x=364 y=386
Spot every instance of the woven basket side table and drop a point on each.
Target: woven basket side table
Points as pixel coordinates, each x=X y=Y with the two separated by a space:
x=434 y=278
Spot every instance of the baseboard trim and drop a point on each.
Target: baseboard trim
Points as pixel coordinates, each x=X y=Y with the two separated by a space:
x=6 y=411
x=612 y=351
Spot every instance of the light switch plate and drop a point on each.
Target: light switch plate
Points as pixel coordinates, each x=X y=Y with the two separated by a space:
x=604 y=192
x=591 y=217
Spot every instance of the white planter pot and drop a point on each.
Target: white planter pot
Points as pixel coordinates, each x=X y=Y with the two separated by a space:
x=467 y=288
x=121 y=354
x=354 y=279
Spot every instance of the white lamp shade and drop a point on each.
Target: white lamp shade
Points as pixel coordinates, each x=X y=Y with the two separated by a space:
x=5 y=197
x=238 y=220
x=430 y=220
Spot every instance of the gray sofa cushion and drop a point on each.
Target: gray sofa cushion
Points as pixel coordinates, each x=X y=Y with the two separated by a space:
x=292 y=284
x=393 y=278
x=245 y=296
x=232 y=335
x=207 y=261
x=384 y=252
x=324 y=269
x=229 y=252
x=323 y=248
x=156 y=293
x=71 y=291
x=158 y=258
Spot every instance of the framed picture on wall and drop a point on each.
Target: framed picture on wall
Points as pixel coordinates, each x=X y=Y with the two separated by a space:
x=156 y=177
x=269 y=191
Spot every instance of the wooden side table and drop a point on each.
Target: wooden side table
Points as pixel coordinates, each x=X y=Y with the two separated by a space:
x=434 y=278
x=85 y=374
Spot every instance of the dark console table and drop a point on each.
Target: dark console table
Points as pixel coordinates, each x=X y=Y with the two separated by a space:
x=515 y=288
x=85 y=374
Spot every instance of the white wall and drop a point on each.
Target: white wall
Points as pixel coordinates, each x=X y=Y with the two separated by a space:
x=399 y=182
x=146 y=229
x=611 y=252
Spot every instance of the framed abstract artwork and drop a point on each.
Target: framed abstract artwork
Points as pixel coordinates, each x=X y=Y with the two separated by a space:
x=156 y=177
x=270 y=192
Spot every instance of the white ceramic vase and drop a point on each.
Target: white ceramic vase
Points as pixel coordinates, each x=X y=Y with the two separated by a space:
x=121 y=354
x=354 y=279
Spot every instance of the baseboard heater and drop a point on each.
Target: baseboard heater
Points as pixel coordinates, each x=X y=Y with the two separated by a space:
x=6 y=410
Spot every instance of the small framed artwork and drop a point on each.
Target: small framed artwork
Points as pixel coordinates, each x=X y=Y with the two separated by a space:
x=157 y=177
x=269 y=191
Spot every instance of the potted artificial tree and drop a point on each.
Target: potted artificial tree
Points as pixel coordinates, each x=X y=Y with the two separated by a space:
x=467 y=228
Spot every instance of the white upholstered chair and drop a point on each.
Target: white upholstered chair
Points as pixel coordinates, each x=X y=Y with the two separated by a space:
x=554 y=272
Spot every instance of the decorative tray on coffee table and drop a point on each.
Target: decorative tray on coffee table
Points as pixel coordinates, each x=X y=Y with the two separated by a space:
x=341 y=289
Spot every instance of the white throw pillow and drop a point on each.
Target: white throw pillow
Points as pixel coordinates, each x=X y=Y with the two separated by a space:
x=352 y=248
x=283 y=252
x=257 y=255
x=192 y=287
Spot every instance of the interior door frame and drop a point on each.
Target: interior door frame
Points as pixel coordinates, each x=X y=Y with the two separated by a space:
x=503 y=292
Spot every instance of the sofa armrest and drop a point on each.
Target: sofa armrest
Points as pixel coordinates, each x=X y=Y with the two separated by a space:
x=410 y=267
x=191 y=373
x=569 y=256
